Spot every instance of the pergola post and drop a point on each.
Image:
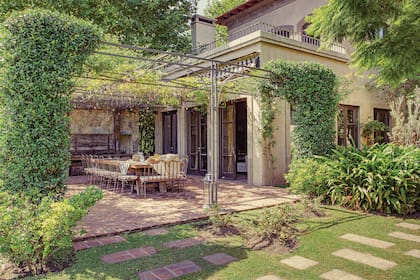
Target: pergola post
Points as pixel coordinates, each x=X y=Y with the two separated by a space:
x=210 y=180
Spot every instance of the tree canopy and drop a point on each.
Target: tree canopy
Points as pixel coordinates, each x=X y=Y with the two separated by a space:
x=159 y=24
x=384 y=34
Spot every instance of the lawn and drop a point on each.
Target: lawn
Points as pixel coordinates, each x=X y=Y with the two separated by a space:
x=319 y=241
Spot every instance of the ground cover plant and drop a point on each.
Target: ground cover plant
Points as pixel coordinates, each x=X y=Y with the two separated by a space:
x=384 y=178
x=321 y=238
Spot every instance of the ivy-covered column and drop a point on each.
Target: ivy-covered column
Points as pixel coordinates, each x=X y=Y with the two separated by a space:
x=311 y=90
x=43 y=51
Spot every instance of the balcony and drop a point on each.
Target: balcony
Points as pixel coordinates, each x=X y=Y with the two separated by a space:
x=285 y=32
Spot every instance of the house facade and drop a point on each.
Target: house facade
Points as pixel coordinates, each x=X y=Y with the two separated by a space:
x=260 y=31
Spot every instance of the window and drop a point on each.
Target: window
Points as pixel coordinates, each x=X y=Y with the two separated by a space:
x=384 y=117
x=348 y=125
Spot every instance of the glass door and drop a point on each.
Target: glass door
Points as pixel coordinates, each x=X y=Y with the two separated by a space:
x=197 y=144
x=170 y=141
x=228 y=142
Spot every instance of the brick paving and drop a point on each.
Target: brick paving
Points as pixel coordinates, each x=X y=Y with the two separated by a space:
x=170 y=271
x=183 y=243
x=156 y=231
x=86 y=244
x=131 y=254
x=124 y=212
x=220 y=259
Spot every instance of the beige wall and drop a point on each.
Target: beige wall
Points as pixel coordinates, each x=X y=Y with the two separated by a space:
x=286 y=12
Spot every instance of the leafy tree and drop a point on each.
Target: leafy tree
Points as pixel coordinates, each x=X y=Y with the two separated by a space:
x=160 y=24
x=217 y=8
x=384 y=34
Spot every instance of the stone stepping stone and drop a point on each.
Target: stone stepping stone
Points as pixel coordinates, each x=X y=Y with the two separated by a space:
x=87 y=244
x=129 y=255
x=299 y=262
x=269 y=277
x=409 y=226
x=337 y=274
x=367 y=241
x=183 y=243
x=414 y=253
x=156 y=231
x=363 y=258
x=405 y=236
x=220 y=259
x=170 y=271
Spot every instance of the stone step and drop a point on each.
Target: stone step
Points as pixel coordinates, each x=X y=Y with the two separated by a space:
x=409 y=225
x=183 y=243
x=87 y=244
x=220 y=259
x=298 y=262
x=364 y=258
x=367 y=241
x=414 y=253
x=170 y=271
x=129 y=255
x=269 y=277
x=405 y=236
x=337 y=274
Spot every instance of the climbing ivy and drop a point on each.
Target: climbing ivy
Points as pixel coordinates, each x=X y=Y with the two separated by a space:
x=42 y=50
x=311 y=90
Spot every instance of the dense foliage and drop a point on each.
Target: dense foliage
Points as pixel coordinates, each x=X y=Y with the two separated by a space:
x=311 y=90
x=34 y=235
x=147 y=132
x=383 y=33
x=159 y=24
x=384 y=178
x=42 y=52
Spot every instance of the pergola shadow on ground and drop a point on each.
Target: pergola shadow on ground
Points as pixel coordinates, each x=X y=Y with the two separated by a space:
x=125 y=212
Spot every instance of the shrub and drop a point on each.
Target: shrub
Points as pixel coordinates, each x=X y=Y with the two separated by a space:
x=33 y=234
x=219 y=221
x=384 y=178
x=42 y=52
x=274 y=224
x=309 y=176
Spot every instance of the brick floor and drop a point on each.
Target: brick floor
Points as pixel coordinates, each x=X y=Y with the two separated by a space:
x=183 y=243
x=170 y=271
x=129 y=255
x=156 y=231
x=220 y=259
x=124 y=212
x=82 y=245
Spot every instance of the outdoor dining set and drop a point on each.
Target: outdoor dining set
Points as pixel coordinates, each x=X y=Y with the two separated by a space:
x=163 y=171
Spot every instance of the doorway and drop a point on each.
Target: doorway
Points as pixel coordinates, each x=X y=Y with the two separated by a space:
x=170 y=127
x=234 y=140
x=197 y=142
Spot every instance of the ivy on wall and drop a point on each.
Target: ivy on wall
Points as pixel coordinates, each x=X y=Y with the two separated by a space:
x=147 y=132
x=42 y=50
x=311 y=89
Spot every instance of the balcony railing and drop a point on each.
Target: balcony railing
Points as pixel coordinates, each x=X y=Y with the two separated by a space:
x=281 y=31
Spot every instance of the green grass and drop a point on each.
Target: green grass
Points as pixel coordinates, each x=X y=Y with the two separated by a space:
x=320 y=240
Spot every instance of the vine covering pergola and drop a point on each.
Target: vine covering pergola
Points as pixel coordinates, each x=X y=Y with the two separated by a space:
x=148 y=78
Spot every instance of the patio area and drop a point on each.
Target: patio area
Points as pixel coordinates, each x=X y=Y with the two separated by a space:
x=125 y=212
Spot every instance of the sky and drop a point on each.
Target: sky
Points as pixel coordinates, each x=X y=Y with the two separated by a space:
x=201 y=4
